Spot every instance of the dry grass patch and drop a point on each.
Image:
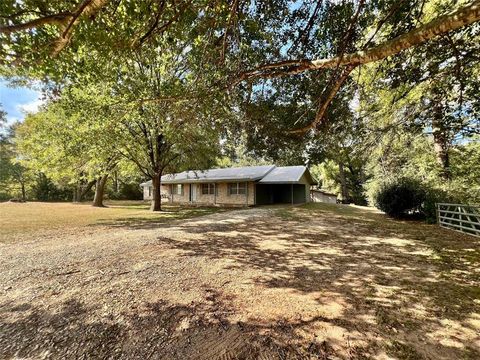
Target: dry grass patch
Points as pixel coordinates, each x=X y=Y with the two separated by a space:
x=20 y=221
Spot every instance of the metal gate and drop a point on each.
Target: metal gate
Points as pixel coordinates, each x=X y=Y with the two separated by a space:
x=464 y=218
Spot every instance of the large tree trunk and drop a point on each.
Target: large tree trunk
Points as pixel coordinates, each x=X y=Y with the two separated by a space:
x=441 y=146
x=99 y=191
x=157 y=198
x=441 y=142
x=343 y=184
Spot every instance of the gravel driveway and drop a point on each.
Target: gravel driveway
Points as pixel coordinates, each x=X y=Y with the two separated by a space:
x=256 y=283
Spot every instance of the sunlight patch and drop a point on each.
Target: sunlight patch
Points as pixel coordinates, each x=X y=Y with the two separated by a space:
x=389 y=241
x=453 y=333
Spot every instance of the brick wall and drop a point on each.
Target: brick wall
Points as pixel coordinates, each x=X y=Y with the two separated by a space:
x=221 y=198
x=182 y=198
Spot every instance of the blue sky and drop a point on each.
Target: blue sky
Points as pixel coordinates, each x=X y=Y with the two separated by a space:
x=16 y=101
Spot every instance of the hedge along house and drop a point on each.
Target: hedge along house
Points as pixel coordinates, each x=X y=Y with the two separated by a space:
x=244 y=186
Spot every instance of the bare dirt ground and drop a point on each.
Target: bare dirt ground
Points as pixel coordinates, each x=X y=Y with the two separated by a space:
x=314 y=282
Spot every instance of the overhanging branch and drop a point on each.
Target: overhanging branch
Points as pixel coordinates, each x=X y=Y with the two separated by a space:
x=86 y=7
x=325 y=102
x=457 y=19
x=64 y=20
x=55 y=19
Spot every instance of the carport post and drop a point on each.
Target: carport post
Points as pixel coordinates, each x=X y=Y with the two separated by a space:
x=292 y=194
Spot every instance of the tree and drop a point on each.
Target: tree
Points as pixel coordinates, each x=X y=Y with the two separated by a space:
x=163 y=126
x=344 y=63
x=91 y=104
x=233 y=36
x=432 y=89
x=287 y=72
x=12 y=174
x=56 y=39
x=69 y=144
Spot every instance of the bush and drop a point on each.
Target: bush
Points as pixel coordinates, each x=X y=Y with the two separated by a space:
x=401 y=198
x=434 y=196
x=45 y=190
x=429 y=207
x=127 y=191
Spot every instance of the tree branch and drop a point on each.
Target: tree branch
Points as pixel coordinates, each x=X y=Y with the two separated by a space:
x=86 y=7
x=459 y=18
x=304 y=34
x=233 y=9
x=66 y=20
x=323 y=106
x=158 y=30
x=55 y=19
x=161 y=7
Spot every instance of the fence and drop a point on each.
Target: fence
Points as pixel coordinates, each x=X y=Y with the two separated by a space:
x=464 y=218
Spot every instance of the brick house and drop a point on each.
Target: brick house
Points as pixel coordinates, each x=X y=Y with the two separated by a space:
x=244 y=186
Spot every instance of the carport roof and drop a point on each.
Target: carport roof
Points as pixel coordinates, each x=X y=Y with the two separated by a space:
x=263 y=174
x=287 y=174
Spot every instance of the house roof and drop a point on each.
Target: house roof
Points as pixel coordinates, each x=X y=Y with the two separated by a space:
x=285 y=174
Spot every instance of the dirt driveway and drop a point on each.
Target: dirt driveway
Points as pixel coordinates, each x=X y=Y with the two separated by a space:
x=271 y=283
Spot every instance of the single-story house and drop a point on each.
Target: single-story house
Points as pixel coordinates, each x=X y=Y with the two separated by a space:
x=318 y=195
x=247 y=186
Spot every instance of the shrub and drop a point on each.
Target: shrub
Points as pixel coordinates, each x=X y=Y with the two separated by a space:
x=401 y=198
x=434 y=196
x=127 y=191
x=43 y=189
x=429 y=207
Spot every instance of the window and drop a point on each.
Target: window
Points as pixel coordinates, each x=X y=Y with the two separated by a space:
x=177 y=189
x=237 y=188
x=208 y=189
x=149 y=191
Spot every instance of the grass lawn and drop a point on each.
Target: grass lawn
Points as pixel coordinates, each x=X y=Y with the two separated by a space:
x=317 y=281
x=18 y=220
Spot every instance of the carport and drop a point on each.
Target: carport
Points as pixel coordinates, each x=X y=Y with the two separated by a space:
x=280 y=194
x=284 y=185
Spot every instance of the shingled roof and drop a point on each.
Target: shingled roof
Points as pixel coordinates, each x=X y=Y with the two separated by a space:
x=262 y=174
x=287 y=174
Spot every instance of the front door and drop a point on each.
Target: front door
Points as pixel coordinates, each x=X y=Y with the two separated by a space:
x=193 y=192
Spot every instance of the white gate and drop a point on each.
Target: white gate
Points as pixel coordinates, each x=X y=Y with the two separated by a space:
x=464 y=218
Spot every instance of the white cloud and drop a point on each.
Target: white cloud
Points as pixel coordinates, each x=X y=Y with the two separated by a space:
x=30 y=107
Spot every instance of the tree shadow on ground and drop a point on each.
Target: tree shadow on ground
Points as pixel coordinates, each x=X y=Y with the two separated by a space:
x=156 y=331
x=404 y=290
x=158 y=219
x=411 y=279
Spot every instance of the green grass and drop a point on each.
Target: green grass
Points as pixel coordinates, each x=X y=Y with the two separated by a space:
x=17 y=219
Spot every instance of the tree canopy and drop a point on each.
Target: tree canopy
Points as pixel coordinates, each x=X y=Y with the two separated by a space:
x=354 y=85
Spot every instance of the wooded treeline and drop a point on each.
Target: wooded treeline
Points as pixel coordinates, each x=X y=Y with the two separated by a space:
x=364 y=92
